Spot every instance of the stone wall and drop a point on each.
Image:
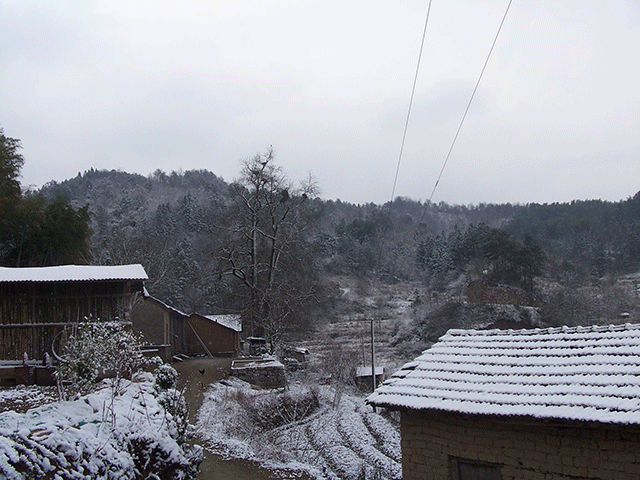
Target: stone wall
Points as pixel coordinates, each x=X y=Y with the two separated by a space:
x=532 y=450
x=264 y=373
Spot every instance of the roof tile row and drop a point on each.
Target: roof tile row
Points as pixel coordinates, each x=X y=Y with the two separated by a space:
x=569 y=373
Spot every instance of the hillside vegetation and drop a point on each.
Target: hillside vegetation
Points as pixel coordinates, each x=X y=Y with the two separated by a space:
x=575 y=263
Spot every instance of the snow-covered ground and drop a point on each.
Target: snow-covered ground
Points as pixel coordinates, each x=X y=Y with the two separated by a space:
x=123 y=435
x=342 y=439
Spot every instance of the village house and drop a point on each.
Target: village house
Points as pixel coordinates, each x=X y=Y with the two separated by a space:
x=37 y=304
x=540 y=404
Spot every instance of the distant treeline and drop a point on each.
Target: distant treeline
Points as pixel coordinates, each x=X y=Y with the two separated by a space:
x=171 y=222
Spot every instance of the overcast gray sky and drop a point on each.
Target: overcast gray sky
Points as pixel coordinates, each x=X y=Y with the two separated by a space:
x=142 y=85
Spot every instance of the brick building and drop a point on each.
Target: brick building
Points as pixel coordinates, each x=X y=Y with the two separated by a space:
x=541 y=404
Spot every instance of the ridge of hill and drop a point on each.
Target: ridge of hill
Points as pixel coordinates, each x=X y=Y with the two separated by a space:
x=170 y=224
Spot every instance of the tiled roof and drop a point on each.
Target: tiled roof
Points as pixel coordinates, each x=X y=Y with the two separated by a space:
x=577 y=373
x=72 y=273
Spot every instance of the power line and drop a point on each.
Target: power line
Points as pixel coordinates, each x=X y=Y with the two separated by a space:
x=466 y=110
x=413 y=91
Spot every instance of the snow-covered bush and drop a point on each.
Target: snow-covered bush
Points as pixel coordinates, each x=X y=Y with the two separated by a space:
x=273 y=410
x=166 y=377
x=94 y=350
x=172 y=400
x=75 y=440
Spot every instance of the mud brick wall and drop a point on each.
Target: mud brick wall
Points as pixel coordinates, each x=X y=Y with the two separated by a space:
x=525 y=450
x=265 y=376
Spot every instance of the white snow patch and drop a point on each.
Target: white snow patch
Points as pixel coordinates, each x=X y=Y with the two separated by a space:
x=73 y=273
x=89 y=437
x=343 y=439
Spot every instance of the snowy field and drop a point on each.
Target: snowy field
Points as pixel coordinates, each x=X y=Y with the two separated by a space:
x=123 y=434
x=319 y=431
x=342 y=439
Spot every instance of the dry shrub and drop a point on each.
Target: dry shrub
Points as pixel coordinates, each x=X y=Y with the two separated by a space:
x=273 y=410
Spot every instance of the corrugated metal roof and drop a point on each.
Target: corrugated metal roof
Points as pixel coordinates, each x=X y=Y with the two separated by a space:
x=73 y=273
x=579 y=373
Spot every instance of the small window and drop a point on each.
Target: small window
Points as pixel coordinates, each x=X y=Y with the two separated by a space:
x=462 y=469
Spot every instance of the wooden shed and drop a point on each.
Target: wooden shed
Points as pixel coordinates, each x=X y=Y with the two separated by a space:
x=162 y=327
x=37 y=303
x=212 y=334
x=540 y=404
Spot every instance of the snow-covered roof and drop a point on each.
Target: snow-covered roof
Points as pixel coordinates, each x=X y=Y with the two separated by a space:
x=366 y=371
x=146 y=294
x=234 y=322
x=266 y=361
x=577 y=373
x=300 y=350
x=72 y=273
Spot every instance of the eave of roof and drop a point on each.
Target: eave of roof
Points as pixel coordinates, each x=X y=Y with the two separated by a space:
x=146 y=294
x=73 y=273
x=230 y=321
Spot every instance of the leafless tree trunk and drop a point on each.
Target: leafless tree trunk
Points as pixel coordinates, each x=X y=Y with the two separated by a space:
x=267 y=221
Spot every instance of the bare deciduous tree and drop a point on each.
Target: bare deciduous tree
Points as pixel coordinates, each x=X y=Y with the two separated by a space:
x=266 y=244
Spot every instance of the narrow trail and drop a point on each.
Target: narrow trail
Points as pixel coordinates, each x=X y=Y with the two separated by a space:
x=195 y=375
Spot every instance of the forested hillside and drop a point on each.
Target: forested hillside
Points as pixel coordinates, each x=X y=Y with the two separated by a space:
x=172 y=223
x=192 y=231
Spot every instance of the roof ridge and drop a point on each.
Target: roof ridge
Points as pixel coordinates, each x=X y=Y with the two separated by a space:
x=458 y=332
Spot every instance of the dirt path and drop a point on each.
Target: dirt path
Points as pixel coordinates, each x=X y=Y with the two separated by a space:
x=195 y=376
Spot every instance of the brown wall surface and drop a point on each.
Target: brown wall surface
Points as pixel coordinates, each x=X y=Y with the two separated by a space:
x=160 y=325
x=147 y=319
x=217 y=338
x=526 y=450
x=33 y=314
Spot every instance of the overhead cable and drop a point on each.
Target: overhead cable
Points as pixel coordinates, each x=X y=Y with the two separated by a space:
x=413 y=91
x=466 y=110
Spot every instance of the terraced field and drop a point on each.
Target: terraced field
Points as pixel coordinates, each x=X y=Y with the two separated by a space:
x=343 y=439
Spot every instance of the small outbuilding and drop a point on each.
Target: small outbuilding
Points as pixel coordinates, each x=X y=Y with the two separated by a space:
x=264 y=372
x=170 y=333
x=161 y=326
x=295 y=358
x=363 y=379
x=540 y=404
x=37 y=303
x=212 y=334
